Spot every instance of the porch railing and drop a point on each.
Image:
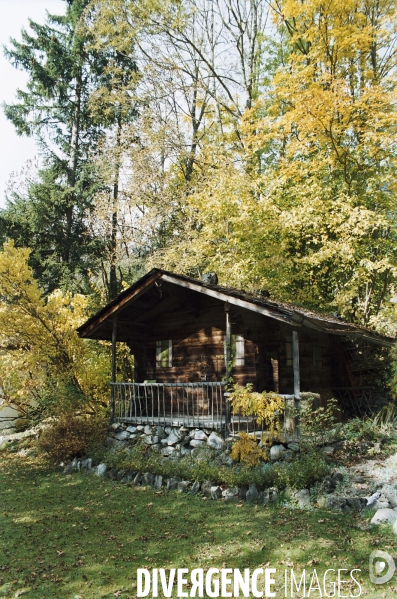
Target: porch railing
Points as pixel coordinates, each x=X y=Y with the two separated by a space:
x=171 y=404
x=194 y=405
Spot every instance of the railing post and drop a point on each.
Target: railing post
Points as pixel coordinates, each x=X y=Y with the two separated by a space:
x=113 y=380
x=226 y=395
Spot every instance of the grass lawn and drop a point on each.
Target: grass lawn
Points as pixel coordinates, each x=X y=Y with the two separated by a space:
x=78 y=535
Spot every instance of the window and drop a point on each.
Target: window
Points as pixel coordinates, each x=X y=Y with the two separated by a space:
x=238 y=342
x=164 y=354
x=288 y=353
x=237 y=350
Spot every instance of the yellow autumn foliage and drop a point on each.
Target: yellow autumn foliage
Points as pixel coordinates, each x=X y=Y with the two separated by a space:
x=329 y=122
x=302 y=203
x=267 y=408
x=247 y=451
x=45 y=367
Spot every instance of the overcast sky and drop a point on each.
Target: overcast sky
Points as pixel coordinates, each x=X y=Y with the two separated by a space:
x=16 y=151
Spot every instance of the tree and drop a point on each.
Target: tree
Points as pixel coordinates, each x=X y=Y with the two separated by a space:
x=44 y=367
x=305 y=207
x=199 y=66
x=114 y=105
x=35 y=218
x=325 y=139
x=52 y=214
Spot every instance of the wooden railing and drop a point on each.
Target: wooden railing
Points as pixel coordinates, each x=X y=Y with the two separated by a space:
x=171 y=404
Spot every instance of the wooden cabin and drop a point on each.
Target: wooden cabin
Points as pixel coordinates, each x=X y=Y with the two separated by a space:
x=188 y=336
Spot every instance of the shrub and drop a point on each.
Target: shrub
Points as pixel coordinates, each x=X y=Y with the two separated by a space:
x=246 y=450
x=71 y=436
x=266 y=407
x=317 y=425
x=303 y=473
x=299 y=474
x=359 y=430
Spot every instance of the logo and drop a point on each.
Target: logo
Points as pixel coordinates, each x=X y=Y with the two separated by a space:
x=381 y=567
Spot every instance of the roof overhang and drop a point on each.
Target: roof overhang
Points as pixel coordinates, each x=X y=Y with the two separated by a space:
x=120 y=302
x=293 y=316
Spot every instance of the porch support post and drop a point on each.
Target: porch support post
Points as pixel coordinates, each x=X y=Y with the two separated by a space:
x=113 y=379
x=295 y=363
x=297 y=384
x=228 y=357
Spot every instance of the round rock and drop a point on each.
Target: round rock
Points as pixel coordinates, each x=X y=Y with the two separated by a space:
x=277 y=452
x=384 y=515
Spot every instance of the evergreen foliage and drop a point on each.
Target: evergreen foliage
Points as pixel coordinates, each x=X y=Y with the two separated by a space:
x=52 y=214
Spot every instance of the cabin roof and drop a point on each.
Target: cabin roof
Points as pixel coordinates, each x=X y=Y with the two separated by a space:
x=281 y=311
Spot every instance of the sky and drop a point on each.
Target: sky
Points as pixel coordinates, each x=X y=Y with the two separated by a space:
x=16 y=151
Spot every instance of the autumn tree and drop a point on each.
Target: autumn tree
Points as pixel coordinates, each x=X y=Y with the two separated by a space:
x=305 y=208
x=324 y=139
x=199 y=67
x=44 y=367
x=251 y=137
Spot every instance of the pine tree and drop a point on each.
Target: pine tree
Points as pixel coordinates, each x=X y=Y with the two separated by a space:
x=52 y=215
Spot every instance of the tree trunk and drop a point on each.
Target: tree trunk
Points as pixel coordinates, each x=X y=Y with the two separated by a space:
x=113 y=286
x=72 y=163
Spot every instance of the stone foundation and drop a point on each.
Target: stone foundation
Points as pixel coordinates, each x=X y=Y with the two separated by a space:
x=173 y=442
x=199 y=443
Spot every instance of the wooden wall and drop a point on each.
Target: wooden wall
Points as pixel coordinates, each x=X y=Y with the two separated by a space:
x=197 y=329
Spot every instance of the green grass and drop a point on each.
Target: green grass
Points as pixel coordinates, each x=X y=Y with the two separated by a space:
x=301 y=474
x=62 y=536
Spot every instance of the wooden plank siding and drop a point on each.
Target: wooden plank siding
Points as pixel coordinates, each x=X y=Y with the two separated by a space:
x=196 y=325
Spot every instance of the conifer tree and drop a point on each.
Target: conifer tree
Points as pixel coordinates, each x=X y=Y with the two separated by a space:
x=51 y=217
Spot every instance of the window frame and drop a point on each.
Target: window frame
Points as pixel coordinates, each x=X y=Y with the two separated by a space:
x=237 y=350
x=164 y=345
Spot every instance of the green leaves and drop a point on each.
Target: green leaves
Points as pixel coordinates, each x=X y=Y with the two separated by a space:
x=158 y=164
x=50 y=214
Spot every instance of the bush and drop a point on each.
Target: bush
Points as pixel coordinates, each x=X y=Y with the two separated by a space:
x=246 y=450
x=303 y=473
x=266 y=407
x=359 y=430
x=316 y=424
x=298 y=474
x=73 y=437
